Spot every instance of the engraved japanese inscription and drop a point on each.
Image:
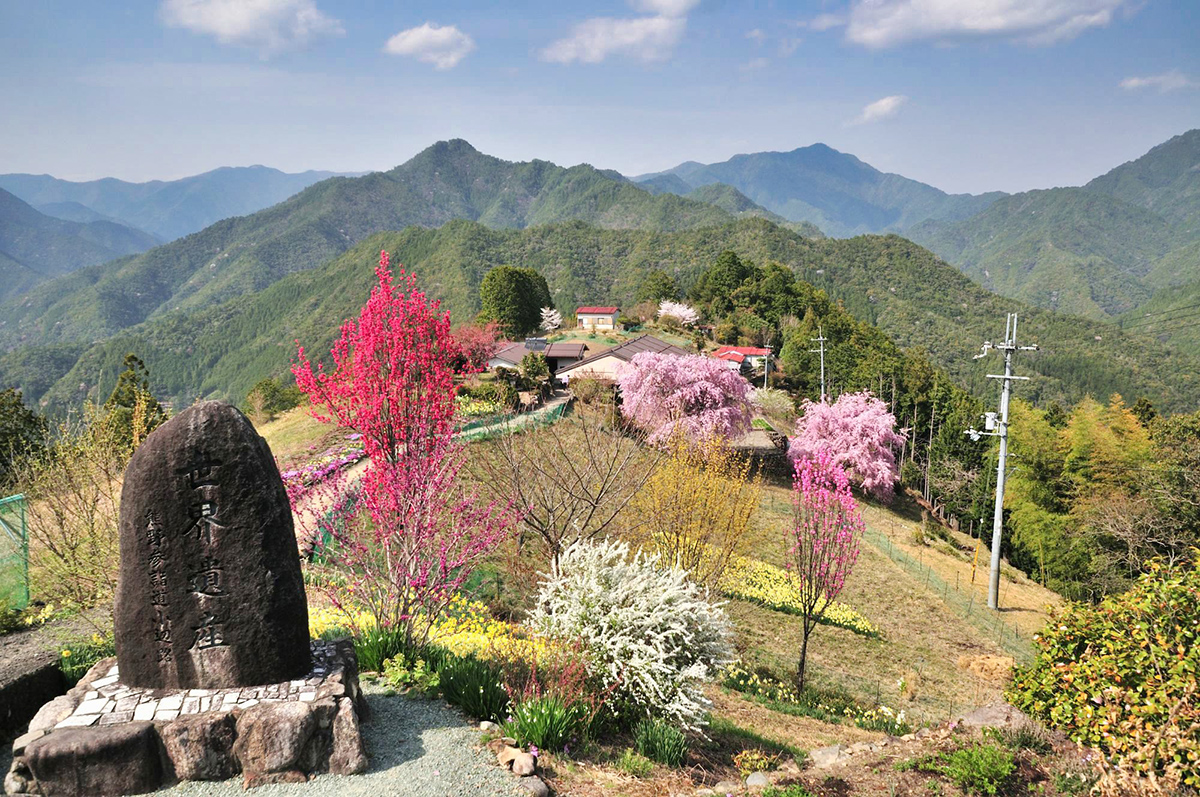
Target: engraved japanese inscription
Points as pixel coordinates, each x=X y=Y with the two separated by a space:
x=210 y=593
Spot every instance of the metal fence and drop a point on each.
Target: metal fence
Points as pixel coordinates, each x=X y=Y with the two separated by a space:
x=14 y=553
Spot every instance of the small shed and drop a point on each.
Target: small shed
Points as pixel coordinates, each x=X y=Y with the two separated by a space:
x=597 y=318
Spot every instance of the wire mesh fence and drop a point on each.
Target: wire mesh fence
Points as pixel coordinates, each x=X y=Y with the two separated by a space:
x=1008 y=637
x=14 y=553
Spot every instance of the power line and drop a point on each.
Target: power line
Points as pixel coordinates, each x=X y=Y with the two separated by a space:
x=998 y=427
x=1172 y=310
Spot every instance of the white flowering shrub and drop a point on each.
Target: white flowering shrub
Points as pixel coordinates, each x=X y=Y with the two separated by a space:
x=653 y=636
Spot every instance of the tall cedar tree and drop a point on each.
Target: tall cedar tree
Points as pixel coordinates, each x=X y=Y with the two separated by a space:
x=21 y=430
x=131 y=397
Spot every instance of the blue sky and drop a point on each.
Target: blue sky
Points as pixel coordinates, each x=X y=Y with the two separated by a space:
x=968 y=95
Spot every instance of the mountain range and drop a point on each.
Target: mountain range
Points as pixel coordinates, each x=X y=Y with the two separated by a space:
x=216 y=310
x=167 y=209
x=837 y=192
x=35 y=247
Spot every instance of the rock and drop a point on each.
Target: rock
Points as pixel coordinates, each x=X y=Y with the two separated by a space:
x=824 y=757
x=271 y=736
x=97 y=762
x=53 y=713
x=524 y=764
x=200 y=747
x=757 y=780
x=704 y=791
x=17 y=780
x=348 y=756
x=789 y=766
x=210 y=593
x=506 y=754
x=488 y=726
x=496 y=745
x=22 y=741
x=534 y=785
x=995 y=716
x=727 y=787
x=315 y=758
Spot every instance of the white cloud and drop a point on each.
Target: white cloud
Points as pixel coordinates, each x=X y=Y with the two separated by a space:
x=644 y=38
x=441 y=45
x=754 y=64
x=1167 y=81
x=266 y=25
x=884 y=23
x=789 y=45
x=879 y=110
x=757 y=36
x=824 y=22
x=651 y=38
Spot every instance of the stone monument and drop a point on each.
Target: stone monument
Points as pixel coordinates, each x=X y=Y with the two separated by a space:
x=214 y=674
x=210 y=593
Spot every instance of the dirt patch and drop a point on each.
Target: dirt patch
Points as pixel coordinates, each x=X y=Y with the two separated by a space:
x=996 y=669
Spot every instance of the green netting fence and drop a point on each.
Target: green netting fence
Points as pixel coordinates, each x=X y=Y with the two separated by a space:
x=14 y=553
x=964 y=602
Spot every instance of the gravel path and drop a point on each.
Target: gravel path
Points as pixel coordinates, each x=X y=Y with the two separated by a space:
x=418 y=748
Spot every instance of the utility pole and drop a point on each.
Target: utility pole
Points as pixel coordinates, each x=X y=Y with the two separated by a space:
x=766 y=367
x=998 y=427
x=821 y=340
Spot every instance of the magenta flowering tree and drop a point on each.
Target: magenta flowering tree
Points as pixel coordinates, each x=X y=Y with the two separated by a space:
x=392 y=384
x=693 y=395
x=859 y=433
x=821 y=547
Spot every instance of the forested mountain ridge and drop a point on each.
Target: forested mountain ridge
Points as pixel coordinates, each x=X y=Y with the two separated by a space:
x=912 y=296
x=35 y=247
x=836 y=191
x=1100 y=250
x=449 y=180
x=169 y=209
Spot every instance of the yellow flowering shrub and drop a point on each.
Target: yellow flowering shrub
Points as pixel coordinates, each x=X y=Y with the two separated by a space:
x=775 y=588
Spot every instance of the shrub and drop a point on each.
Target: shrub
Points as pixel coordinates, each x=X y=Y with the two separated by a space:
x=752 y=760
x=695 y=508
x=982 y=769
x=76 y=658
x=403 y=672
x=591 y=391
x=634 y=764
x=1122 y=675
x=547 y=722
x=1024 y=737
x=660 y=741
x=652 y=635
x=474 y=686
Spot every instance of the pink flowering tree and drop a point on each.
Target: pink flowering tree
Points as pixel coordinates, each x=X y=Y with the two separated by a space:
x=477 y=343
x=391 y=382
x=693 y=395
x=859 y=434
x=821 y=547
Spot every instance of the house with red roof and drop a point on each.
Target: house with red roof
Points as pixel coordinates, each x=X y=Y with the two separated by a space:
x=735 y=356
x=596 y=318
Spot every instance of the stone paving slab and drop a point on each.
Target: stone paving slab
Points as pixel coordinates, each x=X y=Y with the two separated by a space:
x=110 y=702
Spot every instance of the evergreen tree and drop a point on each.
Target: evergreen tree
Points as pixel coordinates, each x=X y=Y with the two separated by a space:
x=132 y=408
x=656 y=286
x=21 y=430
x=514 y=298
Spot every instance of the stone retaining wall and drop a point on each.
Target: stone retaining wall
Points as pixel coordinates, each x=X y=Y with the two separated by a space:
x=105 y=738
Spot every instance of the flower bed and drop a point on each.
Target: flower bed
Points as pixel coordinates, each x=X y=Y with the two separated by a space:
x=775 y=588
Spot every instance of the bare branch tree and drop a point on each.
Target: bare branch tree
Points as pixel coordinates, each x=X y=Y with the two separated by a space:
x=570 y=480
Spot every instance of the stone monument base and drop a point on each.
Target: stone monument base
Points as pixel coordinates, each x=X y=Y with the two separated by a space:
x=104 y=738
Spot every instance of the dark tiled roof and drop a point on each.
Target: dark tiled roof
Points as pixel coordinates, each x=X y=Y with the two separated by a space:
x=630 y=348
x=575 y=350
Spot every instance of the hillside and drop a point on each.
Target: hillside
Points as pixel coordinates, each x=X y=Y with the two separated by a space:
x=1101 y=250
x=908 y=293
x=836 y=191
x=36 y=247
x=169 y=209
x=450 y=180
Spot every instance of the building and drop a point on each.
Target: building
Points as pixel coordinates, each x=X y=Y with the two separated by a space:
x=558 y=355
x=606 y=365
x=753 y=357
x=597 y=318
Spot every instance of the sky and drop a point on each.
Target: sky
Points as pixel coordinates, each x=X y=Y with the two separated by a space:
x=967 y=95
